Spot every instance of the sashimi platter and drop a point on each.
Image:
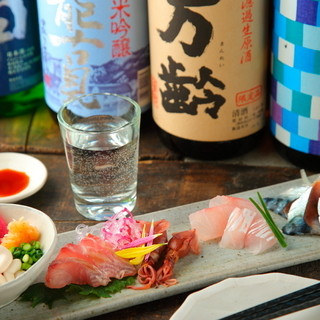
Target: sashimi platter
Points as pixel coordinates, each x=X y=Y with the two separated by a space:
x=176 y=250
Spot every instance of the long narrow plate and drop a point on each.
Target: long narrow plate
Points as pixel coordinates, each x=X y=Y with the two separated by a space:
x=193 y=272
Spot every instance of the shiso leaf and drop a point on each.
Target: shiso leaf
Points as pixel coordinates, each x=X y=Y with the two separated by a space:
x=113 y=287
x=39 y=293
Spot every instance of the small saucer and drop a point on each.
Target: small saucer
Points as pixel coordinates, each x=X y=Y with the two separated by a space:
x=33 y=167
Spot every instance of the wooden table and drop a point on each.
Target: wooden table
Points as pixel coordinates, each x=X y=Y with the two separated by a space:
x=165 y=180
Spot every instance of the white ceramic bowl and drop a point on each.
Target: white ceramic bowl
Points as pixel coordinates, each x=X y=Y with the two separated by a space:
x=12 y=289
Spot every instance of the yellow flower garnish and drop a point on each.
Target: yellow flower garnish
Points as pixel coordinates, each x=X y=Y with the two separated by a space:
x=137 y=254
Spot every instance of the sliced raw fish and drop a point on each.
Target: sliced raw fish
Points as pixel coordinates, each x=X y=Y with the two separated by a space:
x=211 y=222
x=238 y=225
x=300 y=205
x=233 y=201
x=92 y=261
x=303 y=216
x=259 y=237
x=247 y=229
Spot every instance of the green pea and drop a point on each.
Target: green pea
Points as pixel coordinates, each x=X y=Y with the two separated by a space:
x=25 y=258
x=25 y=266
x=26 y=247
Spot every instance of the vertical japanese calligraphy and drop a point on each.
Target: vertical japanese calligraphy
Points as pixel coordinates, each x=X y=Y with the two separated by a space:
x=247 y=20
x=120 y=27
x=177 y=97
x=75 y=72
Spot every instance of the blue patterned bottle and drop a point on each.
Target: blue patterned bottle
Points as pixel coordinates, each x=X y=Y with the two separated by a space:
x=20 y=65
x=295 y=89
x=94 y=46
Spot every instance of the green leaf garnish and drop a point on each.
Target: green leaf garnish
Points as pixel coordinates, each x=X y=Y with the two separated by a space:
x=267 y=216
x=113 y=287
x=39 y=293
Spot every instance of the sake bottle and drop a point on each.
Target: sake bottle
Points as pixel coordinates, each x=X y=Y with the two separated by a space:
x=208 y=74
x=94 y=46
x=295 y=89
x=20 y=62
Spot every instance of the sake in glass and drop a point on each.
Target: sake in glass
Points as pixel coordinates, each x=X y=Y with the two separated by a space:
x=100 y=132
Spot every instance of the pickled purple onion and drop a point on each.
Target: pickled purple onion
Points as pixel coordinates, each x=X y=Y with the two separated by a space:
x=121 y=229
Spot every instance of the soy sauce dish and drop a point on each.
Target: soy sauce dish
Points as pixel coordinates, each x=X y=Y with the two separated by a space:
x=21 y=176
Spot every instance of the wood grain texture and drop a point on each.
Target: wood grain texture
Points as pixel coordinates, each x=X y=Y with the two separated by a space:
x=14 y=133
x=38 y=132
x=44 y=135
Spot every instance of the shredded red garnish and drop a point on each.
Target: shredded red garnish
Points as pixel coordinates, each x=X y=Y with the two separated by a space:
x=121 y=229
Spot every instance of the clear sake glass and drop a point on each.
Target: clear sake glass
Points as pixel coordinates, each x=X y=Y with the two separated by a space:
x=100 y=133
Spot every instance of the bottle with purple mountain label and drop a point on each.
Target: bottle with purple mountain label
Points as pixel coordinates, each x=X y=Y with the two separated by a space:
x=93 y=47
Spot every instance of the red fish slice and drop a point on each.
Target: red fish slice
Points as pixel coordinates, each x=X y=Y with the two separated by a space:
x=91 y=262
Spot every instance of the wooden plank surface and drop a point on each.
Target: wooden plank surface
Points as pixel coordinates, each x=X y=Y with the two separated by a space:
x=14 y=133
x=38 y=132
x=44 y=134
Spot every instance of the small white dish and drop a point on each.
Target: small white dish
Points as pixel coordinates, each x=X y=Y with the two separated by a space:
x=33 y=167
x=9 y=291
x=236 y=294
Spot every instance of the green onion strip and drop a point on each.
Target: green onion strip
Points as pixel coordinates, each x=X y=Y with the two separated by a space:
x=267 y=216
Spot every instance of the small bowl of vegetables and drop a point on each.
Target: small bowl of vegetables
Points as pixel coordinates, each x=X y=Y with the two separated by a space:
x=28 y=239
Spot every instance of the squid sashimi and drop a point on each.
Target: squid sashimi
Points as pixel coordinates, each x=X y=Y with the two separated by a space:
x=237 y=227
x=92 y=261
x=211 y=222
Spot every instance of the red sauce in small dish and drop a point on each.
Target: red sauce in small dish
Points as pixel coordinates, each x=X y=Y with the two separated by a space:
x=12 y=182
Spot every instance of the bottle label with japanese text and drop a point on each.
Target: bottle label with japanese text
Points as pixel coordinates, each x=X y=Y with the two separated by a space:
x=209 y=64
x=94 y=46
x=20 y=60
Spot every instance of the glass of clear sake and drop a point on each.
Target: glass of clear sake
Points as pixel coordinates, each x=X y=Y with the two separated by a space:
x=100 y=132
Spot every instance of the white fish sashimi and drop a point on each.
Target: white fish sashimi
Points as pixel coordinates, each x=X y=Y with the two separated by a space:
x=211 y=222
x=238 y=225
x=259 y=238
x=235 y=222
x=247 y=229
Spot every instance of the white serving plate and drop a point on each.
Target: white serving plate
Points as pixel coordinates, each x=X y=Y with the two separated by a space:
x=33 y=167
x=236 y=294
x=193 y=272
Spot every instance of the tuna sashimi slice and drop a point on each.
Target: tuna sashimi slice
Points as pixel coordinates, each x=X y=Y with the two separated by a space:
x=91 y=261
x=211 y=222
x=238 y=225
x=259 y=237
